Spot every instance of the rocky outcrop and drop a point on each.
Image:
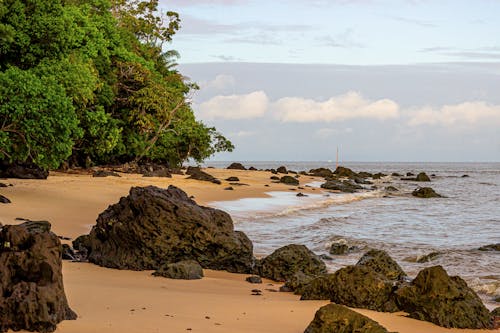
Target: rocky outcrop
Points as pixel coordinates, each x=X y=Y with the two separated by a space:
x=425 y=192
x=4 y=200
x=490 y=247
x=236 y=166
x=22 y=171
x=382 y=263
x=443 y=300
x=289 y=180
x=334 y=318
x=198 y=174
x=342 y=186
x=31 y=286
x=152 y=227
x=283 y=263
x=321 y=172
x=182 y=270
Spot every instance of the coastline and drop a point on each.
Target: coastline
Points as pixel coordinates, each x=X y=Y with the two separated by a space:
x=104 y=298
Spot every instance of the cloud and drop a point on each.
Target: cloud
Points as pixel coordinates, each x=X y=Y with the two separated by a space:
x=220 y=82
x=421 y=23
x=224 y=57
x=325 y=133
x=342 y=40
x=468 y=113
x=248 y=106
x=348 y=106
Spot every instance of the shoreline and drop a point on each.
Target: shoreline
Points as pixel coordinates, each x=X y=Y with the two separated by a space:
x=104 y=298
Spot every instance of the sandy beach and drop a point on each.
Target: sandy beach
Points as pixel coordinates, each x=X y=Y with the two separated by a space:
x=108 y=300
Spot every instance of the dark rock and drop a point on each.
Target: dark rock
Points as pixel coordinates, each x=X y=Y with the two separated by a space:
x=391 y=189
x=428 y=257
x=282 y=169
x=233 y=179
x=289 y=180
x=293 y=172
x=362 y=181
x=378 y=175
x=395 y=174
x=239 y=184
x=252 y=168
x=273 y=171
x=364 y=174
x=354 y=286
x=68 y=253
x=105 y=173
x=342 y=186
x=152 y=227
x=495 y=318
x=283 y=263
x=409 y=174
x=4 y=200
x=275 y=178
x=198 y=174
x=465 y=176
x=345 y=172
x=236 y=166
x=182 y=270
x=230 y=188
x=254 y=279
x=443 y=300
x=490 y=247
x=422 y=177
x=425 y=192
x=22 y=171
x=297 y=282
x=300 y=194
x=321 y=172
x=162 y=172
x=3 y=185
x=341 y=247
x=381 y=262
x=31 y=286
x=334 y=318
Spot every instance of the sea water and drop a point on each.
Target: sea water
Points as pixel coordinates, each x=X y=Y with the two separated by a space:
x=405 y=226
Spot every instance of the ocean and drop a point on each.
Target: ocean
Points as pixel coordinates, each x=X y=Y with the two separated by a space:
x=455 y=226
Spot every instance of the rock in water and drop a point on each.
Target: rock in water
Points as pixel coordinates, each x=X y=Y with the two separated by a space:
x=31 y=286
x=345 y=172
x=443 y=300
x=283 y=263
x=425 y=192
x=342 y=186
x=334 y=318
x=382 y=263
x=183 y=270
x=490 y=247
x=422 y=177
x=152 y=227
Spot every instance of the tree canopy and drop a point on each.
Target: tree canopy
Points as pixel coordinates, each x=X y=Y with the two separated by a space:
x=91 y=82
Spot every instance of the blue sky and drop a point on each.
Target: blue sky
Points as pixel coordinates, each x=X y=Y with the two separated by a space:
x=409 y=80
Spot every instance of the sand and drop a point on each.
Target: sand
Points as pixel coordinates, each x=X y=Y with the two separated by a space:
x=108 y=300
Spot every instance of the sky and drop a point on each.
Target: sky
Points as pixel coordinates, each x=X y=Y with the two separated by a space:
x=407 y=80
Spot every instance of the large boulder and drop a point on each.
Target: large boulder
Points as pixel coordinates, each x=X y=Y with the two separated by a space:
x=236 y=166
x=321 y=172
x=183 y=270
x=152 y=227
x=334 y=318
x=422 y=177
x=31 y=286
x=283 y=263
x=381 y=262
x=425 y=192
x=22 y=171
x=345 y=172
x=443 y=300
x=354 y=286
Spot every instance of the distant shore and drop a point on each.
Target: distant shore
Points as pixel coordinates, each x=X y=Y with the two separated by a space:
x=127 y=301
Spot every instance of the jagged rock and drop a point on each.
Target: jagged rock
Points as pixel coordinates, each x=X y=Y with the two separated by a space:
x=443 y=300
x=68 y=253
x=425 y=192
x=152 y=227
x=422 y=177
x=198 y=174
x=22 y=171
x=283 y=263
x=254 y=279
x=282 y=169
x=354 y=286
x=334 y=318
x=321 y=172
x=345 y=172
x=31 y=286
x=182 y=270
x=342 y=186
x=490 y=247
x=236 y=166
x=232 y=179
x=381 y=262
x=289 y=180
x=105 y=173
x=4 y=200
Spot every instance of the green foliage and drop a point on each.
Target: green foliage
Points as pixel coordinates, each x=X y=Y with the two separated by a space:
x=91 y=78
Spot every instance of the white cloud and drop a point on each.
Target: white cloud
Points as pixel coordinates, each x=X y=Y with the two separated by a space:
x=248 y=106
x=348 y=106
x=464 y=113
x=220 y=82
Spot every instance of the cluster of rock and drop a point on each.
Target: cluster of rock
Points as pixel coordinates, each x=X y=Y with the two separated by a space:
x=31 y=286
x=22 y=171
